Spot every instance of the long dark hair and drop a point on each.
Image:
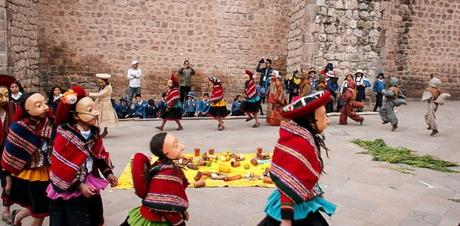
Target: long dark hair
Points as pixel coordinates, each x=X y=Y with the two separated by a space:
x=51 y=94
x=309 y=123
x=106 y=81
x=21 y=89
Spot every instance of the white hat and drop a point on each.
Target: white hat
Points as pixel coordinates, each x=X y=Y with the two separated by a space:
x=276 y=73
x=134 y=62
x=103 y=76
x=359 y=71
x=434 y=82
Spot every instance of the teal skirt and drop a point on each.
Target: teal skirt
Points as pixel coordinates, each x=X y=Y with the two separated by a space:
x=273 y=208
x=135 y=218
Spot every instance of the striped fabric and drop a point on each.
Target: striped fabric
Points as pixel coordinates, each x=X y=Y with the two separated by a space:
x=296 y=166
x=172 y=96
x=69 y=156
x=250 y=89
x=24 y=139
x=217 y=93
x=166 y=188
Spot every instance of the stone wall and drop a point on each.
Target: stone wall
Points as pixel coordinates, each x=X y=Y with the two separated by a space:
x=21 y=46
x=421 y=38
x=343 y=32
x=80 y=38
x=3 y=38
x=409 y=39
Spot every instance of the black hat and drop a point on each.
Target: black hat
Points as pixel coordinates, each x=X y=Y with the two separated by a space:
x=330 y=65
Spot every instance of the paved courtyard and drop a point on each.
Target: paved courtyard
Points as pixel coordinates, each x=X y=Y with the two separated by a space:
x=366 y=192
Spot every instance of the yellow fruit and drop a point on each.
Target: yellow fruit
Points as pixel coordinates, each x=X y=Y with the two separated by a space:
x=227 y=158
x=246 y=166
x=224 y=168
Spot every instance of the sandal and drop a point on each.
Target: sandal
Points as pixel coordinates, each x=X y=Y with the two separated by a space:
x=13 y=217
x=256 y=125
x=220 y=127
x=249 y=119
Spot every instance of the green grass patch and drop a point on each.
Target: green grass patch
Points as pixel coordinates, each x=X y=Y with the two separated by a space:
x=382 y=152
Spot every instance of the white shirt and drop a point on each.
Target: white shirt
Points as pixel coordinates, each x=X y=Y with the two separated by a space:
x=89 y=160
x=134 y=77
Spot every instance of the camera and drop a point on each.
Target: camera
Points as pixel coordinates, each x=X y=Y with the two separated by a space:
x=261 y=61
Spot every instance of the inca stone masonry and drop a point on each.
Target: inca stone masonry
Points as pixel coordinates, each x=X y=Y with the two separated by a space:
x=48 y=42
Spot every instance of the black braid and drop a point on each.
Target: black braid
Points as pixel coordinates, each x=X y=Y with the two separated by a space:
x=309 y=123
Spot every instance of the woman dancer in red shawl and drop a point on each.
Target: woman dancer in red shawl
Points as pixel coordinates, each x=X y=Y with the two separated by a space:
x=161 y=186
x=172 y=109
x=26 y=159
x=78 y=159
x=252 y=104
x=297 y=165
x=218 y=105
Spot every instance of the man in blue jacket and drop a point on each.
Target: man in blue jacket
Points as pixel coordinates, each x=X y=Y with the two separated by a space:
x=378 y=87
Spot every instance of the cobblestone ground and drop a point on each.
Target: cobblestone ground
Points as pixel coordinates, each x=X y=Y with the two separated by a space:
x=366 y=192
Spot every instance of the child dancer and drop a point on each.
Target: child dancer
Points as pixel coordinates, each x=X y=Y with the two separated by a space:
x=433 y=96
x=172 y=109
x=78 y=158
x=393 y=98
x=218 y=105
x=297 y=165
x=252 y=104
x=26 y=159
x=349 y=98
x=161 y=186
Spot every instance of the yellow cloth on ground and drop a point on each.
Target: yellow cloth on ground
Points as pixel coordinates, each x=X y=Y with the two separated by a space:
x=125 y=179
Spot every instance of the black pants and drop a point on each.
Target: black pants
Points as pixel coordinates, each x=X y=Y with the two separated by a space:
x=313 y=219
x=80 y=211
x=183 y=92
x=378 y=102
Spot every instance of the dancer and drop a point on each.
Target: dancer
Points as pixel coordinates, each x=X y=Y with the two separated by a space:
x=218 y=108
x=161 y=186
x=78 y=159
x=297 y=165
x=252 y=104
x=17 y=93
x=350 y=103
x=276 y=99
x=172 y=109
x=6 y=115
x=25 y=159
x=434 y=97
x=107 y=115
x=393 y=98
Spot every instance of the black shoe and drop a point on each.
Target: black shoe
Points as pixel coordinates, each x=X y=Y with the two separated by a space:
x=384 y=122
x=394 y=128
x=434 y=132
x=429 y=128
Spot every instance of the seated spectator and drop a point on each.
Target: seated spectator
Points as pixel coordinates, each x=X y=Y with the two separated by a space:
x=122 y=108
x=190 y=105
x=236 y=106
x=139 y=107
x=161 y=106
x=151 y=110
x=203 y=106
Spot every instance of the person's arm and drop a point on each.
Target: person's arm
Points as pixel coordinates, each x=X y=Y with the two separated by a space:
x=193 y=71
x=258 y=69
x=105 y=92
x=129 y=75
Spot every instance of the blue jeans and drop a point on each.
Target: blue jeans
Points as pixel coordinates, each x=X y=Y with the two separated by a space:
x=132 y=91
